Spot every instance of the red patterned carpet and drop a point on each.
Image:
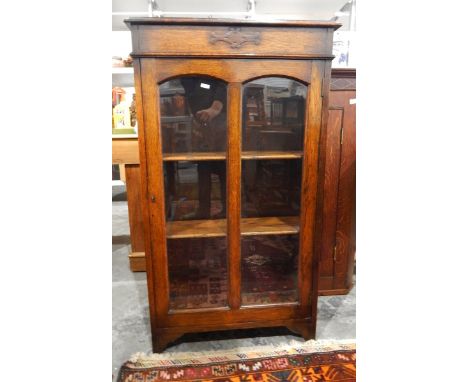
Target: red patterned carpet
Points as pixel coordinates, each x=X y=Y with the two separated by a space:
x=316 y=362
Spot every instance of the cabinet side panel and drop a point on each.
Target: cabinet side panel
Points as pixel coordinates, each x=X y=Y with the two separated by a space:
x=345 y=235
x=155 y=190
x=331 y=178
x=308 y=262
x=143 y=191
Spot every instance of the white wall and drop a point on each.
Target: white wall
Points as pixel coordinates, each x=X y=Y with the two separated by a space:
x=290 y=9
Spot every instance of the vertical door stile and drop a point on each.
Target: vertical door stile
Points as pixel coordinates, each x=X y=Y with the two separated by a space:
x=155 y=186
x=308 y=275
x=233 y=192
x=144 y=190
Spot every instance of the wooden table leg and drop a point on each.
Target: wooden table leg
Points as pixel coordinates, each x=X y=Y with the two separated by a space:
x=122 y=172
x=135 y=220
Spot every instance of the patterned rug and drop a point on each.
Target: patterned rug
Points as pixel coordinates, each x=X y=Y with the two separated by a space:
x=312 y=361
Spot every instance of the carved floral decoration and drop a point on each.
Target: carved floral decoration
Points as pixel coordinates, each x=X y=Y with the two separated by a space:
x=235 y=37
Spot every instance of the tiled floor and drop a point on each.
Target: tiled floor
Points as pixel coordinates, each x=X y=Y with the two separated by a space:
x=131 y=330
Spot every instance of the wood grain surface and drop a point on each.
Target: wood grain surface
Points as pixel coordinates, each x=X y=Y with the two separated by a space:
x=234 y=38
x=233 y=192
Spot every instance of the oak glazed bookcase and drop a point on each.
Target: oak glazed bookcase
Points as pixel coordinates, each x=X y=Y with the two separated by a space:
x=230 y=115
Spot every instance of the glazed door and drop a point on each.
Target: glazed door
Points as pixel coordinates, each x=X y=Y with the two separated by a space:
x=273 y=121
x=231 y=150
x=194 y=132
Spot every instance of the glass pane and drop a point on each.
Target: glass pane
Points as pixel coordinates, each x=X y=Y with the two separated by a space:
x=193 y=127
x=274 y=112
x=198 y=273
x=269 y=269
x=193 y=115
x=272 y=144
x=271 y=202
x=195 y=190
x=271 y=187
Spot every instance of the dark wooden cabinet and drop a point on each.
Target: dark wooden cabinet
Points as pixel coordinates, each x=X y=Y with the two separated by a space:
x=230 y=117
x=338 y=242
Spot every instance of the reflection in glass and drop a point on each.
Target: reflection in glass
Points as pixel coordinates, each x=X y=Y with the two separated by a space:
x=197 y=273
x=273 y=115
x=272 y=144
x=269 y=269
x=195 y=190
x=271 y=187
x=193 y=115
x=193 y=129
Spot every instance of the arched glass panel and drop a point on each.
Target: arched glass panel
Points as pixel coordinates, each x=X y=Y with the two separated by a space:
x=193 y=115
x=193 y=129
x=272 y=150
x=274 y=113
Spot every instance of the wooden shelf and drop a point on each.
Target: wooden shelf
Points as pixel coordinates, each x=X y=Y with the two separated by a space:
x=282 y=225
x=129 y=145
x=194 y=156
x=195 y=228
x=271 y=154
x=217 y=228
x=222 y=156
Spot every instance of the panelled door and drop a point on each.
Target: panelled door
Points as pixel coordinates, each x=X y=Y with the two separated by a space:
x=231 y=163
